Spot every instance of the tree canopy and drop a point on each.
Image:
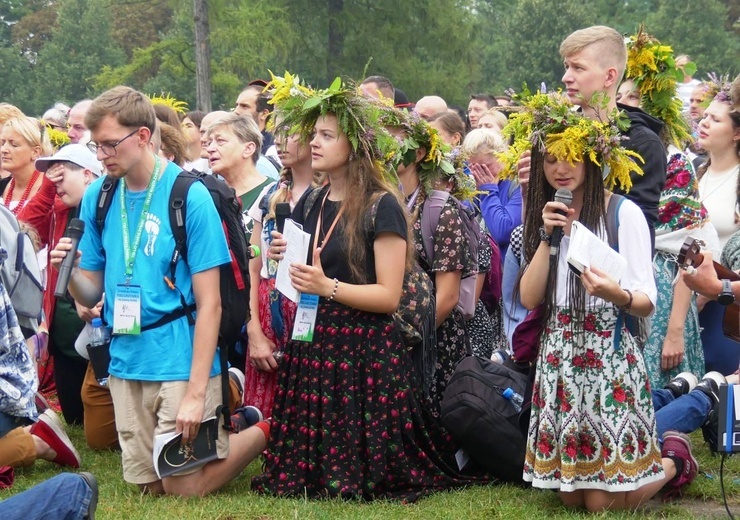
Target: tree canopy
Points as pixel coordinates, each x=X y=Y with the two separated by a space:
x=66 y=50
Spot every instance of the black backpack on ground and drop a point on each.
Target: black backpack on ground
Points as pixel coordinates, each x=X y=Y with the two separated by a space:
x=234 y=275
x=482 y=420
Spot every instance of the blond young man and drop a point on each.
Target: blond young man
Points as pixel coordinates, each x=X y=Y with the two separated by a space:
x=594 y=60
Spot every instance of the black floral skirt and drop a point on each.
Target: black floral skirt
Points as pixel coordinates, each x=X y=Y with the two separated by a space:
x=346 y=422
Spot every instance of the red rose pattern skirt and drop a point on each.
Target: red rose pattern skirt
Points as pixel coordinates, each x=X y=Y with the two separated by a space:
x=346 y=422
x=259 y=386
x=592 y=423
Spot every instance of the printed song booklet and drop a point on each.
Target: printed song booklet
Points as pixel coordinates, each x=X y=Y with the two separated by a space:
x=588 y=250
x=171 y=456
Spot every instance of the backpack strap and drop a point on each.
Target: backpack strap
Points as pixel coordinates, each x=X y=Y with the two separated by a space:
x=178 y=211
x=430 y=214
x=311 y=199
x=612 y=235
x=105 y=199
x=612 y=220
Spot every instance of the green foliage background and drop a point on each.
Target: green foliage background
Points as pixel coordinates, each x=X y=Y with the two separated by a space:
x=67 y=50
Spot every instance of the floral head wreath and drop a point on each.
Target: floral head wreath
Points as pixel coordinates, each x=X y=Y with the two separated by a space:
x=300 y=107
x=58 y=138
x=167 y=100
x=464 y=187
x=718 y=87
x=652 y=67
x=549 y=122
x=418 y=134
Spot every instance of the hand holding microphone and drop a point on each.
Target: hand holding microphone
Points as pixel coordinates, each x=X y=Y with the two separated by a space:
x=74 y=232
x=282 y=211
x=563 y=196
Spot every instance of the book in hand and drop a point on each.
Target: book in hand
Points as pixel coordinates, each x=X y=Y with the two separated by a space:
x=588 y=250
x=171 y=456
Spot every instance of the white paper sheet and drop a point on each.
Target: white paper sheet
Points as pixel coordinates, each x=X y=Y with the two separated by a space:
x=298 y=242
x=588 y=250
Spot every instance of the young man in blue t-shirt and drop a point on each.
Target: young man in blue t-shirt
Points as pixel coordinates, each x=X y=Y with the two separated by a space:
x=165 y=378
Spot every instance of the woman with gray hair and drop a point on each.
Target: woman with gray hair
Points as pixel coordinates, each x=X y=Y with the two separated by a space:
x=234 y=143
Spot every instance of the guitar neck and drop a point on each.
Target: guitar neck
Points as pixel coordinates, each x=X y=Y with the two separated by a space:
x=721 y=270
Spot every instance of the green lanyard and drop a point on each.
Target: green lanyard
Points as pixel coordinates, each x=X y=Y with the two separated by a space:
x=129 y=254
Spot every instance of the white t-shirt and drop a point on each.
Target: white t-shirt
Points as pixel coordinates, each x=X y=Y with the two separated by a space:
x=718 y=194
x=634 y=245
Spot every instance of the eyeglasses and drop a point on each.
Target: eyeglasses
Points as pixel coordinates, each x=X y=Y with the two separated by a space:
x=109 y=149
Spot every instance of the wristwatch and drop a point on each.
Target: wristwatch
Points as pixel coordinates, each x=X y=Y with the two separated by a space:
x=726 y=297
x=544 y=237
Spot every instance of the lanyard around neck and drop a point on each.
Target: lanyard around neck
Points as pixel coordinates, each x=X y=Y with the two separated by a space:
x=129 y=250
x=318 y=224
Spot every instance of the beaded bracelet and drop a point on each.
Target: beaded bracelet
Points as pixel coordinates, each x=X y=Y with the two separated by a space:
x=626 y=308
x=336 y=286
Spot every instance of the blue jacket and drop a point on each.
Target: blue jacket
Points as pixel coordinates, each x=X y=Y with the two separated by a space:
x=502 y=211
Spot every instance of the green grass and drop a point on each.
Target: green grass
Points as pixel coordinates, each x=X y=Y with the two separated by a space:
x=120 y=500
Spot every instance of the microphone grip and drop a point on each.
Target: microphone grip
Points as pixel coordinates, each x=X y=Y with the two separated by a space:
x=74 y=232
x=282 y=211
x=65 y=270
x=557 y=236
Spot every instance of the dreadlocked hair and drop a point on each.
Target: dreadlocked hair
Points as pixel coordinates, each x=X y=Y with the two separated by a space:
x=365 y=186
x=593 y=216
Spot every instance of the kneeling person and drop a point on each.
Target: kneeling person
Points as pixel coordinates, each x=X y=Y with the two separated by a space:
x=165 y=377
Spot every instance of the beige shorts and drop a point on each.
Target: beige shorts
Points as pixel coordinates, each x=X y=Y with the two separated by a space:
x=144 y=409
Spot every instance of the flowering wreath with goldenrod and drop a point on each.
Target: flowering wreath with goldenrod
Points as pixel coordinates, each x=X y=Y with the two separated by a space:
x=550 y=123
x=299 y=107
x=652 y=67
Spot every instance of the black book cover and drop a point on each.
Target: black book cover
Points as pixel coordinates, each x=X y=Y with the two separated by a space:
x=171 y=456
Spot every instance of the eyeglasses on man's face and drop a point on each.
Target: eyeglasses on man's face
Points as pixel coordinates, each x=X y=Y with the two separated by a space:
x=109 y=149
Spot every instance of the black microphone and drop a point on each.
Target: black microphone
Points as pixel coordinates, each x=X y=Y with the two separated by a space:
x=566 y=197
x=282 y=211
x=74 y=231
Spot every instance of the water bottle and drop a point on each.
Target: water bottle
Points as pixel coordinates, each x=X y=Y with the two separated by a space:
x=500 y=356
x=99 y=352
x=514 y=398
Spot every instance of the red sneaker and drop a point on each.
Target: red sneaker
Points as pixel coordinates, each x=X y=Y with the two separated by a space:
x=48 y=430
x=677 y=445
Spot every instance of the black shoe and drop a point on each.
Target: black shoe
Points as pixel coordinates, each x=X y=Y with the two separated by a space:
x=709 y=385
x=682 y=384
x=245 y=417
x=710 y=429
x=92 y=483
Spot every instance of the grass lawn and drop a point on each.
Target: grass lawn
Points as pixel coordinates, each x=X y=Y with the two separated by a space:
x=120 y=500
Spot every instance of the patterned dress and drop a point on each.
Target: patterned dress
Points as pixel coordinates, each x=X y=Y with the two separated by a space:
x=680 y=214
x=346 y=420
x=276 y=315
x=486 y=330
x=451 y=253
x=17 y=373
x=592 y=424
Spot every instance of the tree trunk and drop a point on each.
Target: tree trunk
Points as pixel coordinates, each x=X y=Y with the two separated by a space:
x=202 y=56
x=335 y=45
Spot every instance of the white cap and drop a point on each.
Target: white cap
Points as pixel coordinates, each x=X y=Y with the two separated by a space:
x=74 y=153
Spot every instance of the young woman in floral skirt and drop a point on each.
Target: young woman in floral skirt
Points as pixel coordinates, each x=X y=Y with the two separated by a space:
x=346 y=422
x=592 y=432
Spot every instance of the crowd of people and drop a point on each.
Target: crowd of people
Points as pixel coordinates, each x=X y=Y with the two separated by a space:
x=434 y=232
